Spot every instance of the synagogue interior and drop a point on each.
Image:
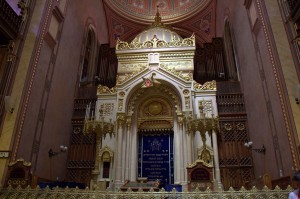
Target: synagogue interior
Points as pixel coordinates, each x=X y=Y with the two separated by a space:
x=149 y=94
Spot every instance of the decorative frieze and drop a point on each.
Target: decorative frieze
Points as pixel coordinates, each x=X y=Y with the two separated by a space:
x=180 y=74
x=155 y=43
x=122 y=78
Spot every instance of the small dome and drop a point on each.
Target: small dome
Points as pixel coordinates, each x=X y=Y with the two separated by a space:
x=161 y=33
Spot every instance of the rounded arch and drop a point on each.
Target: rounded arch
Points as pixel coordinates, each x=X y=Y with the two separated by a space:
x=155 y=112
x=89 y=54
x=230 y=53
x=165 y=88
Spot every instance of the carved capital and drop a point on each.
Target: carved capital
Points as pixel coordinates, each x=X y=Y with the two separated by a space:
x=180 y=120
x=121 y=118
x=128 y=121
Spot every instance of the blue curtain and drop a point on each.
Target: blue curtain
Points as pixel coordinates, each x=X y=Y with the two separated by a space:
x=156 y=156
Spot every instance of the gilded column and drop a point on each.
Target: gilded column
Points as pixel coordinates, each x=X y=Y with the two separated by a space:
x=128 y=144
x=216 y=160
x=121 y=120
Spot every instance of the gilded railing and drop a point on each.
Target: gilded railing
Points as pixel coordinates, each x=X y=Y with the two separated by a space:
x=38 y=193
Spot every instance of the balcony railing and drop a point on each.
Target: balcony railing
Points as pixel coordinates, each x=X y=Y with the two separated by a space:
x=140 y=194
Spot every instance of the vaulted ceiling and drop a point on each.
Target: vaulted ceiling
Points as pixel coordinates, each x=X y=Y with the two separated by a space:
x=127 y=18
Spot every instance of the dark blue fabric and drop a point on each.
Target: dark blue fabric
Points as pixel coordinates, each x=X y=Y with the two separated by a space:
x=155 y=157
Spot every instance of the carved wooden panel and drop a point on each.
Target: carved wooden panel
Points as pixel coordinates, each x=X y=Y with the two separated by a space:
x=235 y=159
x=81 y=156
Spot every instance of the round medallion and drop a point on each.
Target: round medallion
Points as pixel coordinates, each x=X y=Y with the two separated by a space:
x=155 y=108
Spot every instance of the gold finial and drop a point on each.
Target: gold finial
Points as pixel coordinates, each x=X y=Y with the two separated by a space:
x=157 y=20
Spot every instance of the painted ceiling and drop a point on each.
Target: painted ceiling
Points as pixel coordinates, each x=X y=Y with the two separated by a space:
x=170 y=10
x=127 y=18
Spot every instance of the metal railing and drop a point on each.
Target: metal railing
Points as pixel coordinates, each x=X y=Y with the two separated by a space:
x=47 y=193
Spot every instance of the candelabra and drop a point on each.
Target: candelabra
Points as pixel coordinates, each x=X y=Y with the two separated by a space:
x=100 y=127
x=202 y=123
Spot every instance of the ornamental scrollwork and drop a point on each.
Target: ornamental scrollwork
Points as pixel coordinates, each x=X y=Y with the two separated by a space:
x=105 y=90
x=25 y=163
x=155 y=43
x=123 y=78
x=206 y=86
x=188 y=77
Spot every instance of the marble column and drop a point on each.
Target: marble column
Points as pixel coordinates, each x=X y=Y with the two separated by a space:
x=180 y=132
x=189 y=148
x=128 y=143
x=133 y=157
x=216 y=161
x=119 y=153
x=177 y=159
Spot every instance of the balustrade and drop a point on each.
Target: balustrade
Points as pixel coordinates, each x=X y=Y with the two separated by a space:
x=86 y=193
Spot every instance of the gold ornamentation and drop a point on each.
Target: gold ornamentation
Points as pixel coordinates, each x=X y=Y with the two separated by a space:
x=186 y=77
x=206 y=86
x=205 y=153
x=128 y=121
x=155 y=43
x=25 y=163
x=122 y=94
x=197 y=162
x=122 y=78
x=77 y=193
x=155 y=124
x=186 y=92
x=132 y=67
x=106 y=109
x=205 y=106
x=162 y=88
x=155 y=108
x=121 y=117
x=187 y=102
x=105 y=90
x=157 y=20
x=106 y=149
x=180 y=120
x=77 y=130
x=240 y=126
x=120 y=104
x=228 y=126
x=149 y=82
x=203 y=125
